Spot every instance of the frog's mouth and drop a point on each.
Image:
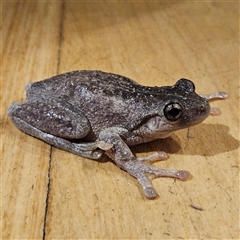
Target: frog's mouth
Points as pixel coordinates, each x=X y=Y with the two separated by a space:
x=191 y=117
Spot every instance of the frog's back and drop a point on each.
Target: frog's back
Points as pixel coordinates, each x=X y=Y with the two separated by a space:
x=106 y=99
x=65 y=84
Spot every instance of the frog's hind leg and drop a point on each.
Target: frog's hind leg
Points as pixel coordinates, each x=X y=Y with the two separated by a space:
x=78 y=149
x=33 y=119
x=52 y=119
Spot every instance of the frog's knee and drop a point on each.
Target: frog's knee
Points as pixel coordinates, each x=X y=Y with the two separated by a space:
x=28 y=86
x=13 y=108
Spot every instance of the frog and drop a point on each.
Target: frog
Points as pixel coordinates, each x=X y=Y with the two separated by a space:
x=92 y=113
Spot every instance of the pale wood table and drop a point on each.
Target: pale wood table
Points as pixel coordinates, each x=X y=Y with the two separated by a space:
x=51 y=194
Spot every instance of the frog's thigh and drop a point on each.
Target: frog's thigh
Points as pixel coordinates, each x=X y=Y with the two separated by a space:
x=52 y=119
x=88 y=150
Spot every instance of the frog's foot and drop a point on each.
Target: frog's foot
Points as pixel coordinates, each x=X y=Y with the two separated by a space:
x=157 y=156
x=215 y=96
x=142 y=171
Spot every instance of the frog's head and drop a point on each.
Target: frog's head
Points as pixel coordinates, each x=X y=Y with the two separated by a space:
x=181 y=108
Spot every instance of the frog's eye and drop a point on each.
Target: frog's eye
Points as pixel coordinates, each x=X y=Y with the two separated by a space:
x=173 y=111
x=186 y=85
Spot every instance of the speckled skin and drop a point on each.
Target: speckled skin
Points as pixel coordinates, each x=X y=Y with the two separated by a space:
x=91 y=112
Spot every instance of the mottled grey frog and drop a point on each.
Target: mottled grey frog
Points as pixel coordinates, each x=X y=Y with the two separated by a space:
x=91 y=112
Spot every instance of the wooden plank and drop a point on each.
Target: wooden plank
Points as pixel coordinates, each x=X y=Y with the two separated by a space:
x=30 y=52
x=154 y=43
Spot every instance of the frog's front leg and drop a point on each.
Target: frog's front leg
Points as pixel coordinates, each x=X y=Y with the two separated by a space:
x=124 y=158
x=57 y=126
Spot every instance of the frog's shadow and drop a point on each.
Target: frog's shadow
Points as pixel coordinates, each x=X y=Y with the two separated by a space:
x=203 y=140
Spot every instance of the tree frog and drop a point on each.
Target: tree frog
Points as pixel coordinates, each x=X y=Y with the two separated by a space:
x=90 y=112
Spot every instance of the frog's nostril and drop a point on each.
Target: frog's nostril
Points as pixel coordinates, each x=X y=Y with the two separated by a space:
x=204 y=109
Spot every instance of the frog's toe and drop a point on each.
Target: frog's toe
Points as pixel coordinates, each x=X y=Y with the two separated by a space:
x=183 y=175
x=215 y=95
x=179 y=174
x=147 y=186
x=157 y=156
x=150 y=192
x=215 y=111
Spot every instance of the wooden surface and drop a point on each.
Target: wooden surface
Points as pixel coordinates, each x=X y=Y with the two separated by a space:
x=51 y=194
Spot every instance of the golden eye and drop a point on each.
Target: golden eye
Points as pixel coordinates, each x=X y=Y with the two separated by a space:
x=173 y=111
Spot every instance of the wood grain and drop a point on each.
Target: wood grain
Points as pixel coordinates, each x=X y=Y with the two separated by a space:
x=51 y=194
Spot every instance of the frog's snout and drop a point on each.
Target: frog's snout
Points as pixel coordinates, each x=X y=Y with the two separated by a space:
x=202 y=112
